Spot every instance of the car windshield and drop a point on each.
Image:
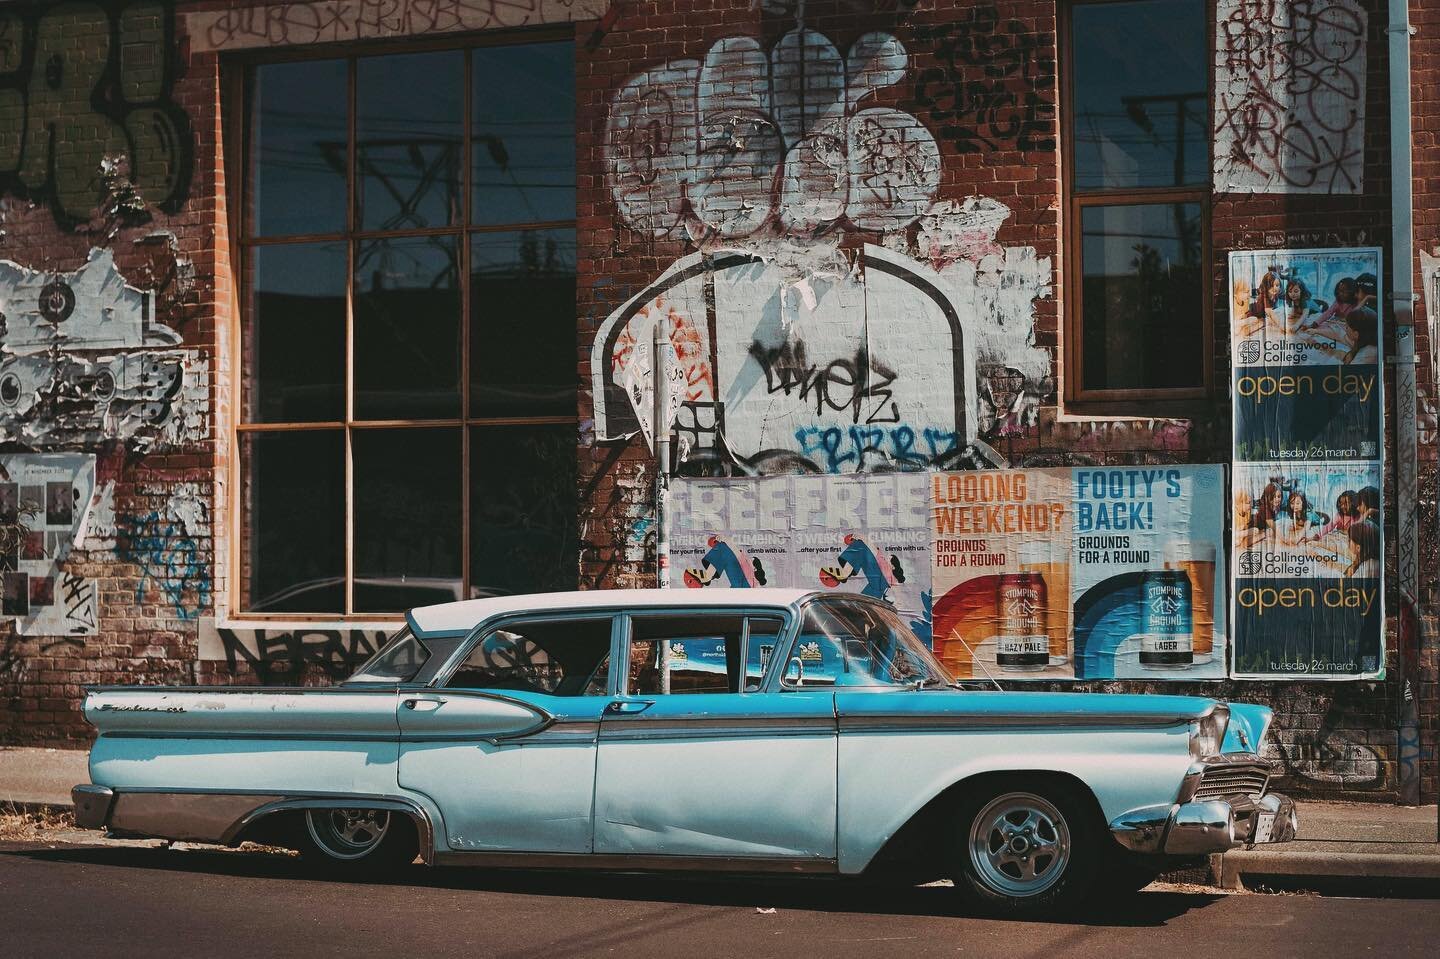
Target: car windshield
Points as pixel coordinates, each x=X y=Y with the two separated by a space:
x=398 y=661
x=854 y=643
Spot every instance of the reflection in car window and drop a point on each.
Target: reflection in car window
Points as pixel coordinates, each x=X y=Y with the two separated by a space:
x=397 y=662
x=859 y=644
x=697 y=653
x=566 y=657
x=764 y=634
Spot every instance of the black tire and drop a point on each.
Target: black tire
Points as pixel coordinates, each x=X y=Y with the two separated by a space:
x=357 y=841
x=1026 y=846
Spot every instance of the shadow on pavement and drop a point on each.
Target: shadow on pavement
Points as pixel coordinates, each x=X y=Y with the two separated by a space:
x=787 y=893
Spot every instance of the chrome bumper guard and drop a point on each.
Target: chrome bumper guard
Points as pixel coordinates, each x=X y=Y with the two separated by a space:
x=92 y=805
x=1206 y=826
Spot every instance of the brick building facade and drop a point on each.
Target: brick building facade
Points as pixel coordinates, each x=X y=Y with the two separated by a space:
x=320 y=285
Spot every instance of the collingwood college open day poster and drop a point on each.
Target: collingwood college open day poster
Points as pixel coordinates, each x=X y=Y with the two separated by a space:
x=1307 y=541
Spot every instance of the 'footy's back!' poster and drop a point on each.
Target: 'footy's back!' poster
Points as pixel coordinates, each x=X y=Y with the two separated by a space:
x=1306 y=539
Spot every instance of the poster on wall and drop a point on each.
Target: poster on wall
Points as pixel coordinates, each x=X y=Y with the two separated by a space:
x=44 y=505
x=1084 y=573
x=1307 y=530
x=866 y=534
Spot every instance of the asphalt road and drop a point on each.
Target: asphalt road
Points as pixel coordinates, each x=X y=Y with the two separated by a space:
x=60 y=901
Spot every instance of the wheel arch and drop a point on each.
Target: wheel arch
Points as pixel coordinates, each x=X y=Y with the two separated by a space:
x=285 y=811
x=911 y=848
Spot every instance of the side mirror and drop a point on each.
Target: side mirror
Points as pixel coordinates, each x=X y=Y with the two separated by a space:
x=794 y=672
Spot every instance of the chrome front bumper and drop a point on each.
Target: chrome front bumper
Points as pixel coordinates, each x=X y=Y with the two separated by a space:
x=1209 y=825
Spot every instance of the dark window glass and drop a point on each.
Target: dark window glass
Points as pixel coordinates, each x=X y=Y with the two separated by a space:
x=565 y=657
x=522 y=323
x=296 y=345
x=523 y=537
x=523 y=139
x=1143 y=296
x=299 y=141
x=697 y=653
x=407 y=328
x=407 y=517
x=294 y=494
x=408 y=139
x=1140 y=94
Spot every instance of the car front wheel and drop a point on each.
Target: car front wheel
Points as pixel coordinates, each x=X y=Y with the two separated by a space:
x=1025 y=849
x=358 y=839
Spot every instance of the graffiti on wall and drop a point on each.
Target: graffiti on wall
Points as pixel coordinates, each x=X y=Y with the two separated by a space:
x=167 y=546
x=1289 y=96
x=285 y=652
x=83 y=361
x=45 y=501
x=326 y=21
x=993 y=84
x=80 y=82
x=874 y=370
x=783 y=141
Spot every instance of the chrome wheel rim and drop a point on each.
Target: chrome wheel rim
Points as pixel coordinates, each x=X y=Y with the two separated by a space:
x=1019 y=844
x=347 y=833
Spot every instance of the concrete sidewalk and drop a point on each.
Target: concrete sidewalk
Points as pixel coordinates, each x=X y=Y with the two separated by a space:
x=1364 y=841
x=40 y=777
x=1341 y=841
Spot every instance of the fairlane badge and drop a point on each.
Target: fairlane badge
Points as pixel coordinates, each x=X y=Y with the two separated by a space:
x=137 y=708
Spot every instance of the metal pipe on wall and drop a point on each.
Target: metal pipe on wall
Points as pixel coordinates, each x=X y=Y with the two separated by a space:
x=660 y=431
x=1402 y=298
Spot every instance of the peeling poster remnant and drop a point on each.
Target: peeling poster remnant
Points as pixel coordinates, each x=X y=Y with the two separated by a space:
x=44 y=504
x=1289 y=96
x=83 y=361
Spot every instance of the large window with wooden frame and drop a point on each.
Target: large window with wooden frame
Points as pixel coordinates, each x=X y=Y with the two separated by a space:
x=407 y=374
x=1137 y=171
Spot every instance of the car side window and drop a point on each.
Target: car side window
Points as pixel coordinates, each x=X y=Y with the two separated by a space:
x=561 y=657
x=850 y=644
x=696 y=653
x=765 y=632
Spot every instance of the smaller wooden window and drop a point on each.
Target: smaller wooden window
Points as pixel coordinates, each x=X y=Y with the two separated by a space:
x=1137 y=161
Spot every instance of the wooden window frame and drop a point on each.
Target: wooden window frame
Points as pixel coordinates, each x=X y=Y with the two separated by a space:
x=1174 y=401
x=236 y=70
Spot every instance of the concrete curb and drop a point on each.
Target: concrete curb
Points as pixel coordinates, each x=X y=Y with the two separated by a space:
x=1228 y=869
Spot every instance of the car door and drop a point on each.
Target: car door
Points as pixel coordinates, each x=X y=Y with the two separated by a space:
x=505 y=745
x=697 y=760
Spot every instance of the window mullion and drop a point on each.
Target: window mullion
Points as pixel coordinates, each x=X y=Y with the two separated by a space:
x=350 y=220
x=467 y=193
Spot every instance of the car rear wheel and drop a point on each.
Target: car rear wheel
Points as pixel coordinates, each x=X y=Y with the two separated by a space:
x=1025 y=848
x=358 y=839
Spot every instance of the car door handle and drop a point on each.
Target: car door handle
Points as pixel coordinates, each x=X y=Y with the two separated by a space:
x=628 y=707
x=424 y=705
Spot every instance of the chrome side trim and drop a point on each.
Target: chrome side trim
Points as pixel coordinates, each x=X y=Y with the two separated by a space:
x=637 y=863
x=92 y=805
x=219 y=815
x=912 y=723
x=638 y=727
x=184 y=816
x=372 y=689
x=290 y=736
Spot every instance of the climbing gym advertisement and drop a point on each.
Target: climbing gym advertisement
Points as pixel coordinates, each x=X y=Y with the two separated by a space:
x=865 y=534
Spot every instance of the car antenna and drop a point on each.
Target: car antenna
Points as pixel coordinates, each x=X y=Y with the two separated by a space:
x=976 y=659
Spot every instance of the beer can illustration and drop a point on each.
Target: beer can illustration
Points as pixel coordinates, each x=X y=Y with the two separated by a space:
x=1166 y=639
x=1022 y=643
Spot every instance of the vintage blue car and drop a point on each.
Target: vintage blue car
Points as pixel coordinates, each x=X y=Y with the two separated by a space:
x=742 y=730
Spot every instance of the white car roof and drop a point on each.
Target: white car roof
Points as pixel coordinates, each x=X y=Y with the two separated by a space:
x=453 y=618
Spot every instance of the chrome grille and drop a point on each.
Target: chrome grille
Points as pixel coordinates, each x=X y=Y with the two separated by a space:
x=1238 y=780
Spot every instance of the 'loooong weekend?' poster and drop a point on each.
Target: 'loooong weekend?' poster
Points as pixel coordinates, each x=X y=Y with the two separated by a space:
x=1084 y=573
x=1307 y=540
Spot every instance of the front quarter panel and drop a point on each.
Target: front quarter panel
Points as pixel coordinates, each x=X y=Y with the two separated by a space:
x=887 y=776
